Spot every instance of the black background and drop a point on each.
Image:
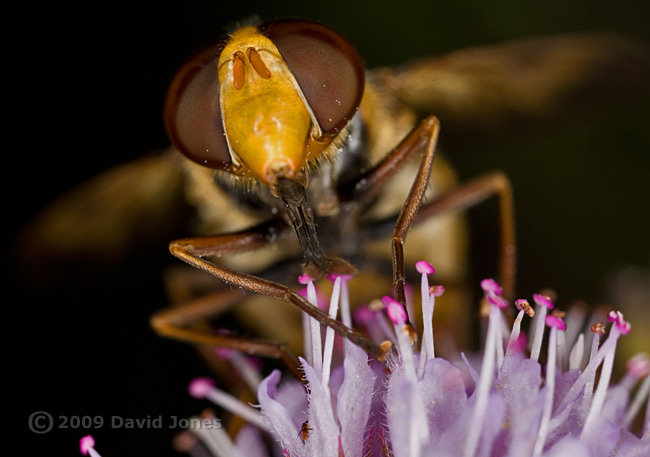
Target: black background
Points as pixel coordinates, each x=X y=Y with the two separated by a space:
x=85 y=91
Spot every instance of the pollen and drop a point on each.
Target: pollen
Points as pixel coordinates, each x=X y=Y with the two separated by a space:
x=598 y=328
x=523 y=304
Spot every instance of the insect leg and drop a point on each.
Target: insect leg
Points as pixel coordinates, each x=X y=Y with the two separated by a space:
x=180 y=323
x=191 y=250
x=473 y=192
x=424 y=135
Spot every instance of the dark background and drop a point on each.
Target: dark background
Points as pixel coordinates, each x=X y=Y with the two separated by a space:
x=86 y=85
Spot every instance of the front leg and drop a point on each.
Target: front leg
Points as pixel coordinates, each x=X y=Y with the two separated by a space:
x=425 y=135
x=192 y=250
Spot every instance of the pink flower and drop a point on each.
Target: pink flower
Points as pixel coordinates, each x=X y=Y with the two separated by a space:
x=502 y=403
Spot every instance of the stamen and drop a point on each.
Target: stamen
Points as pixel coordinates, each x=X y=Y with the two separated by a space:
x=609 y=346
x=238 y=70
x=437 y=291
x=410 y=311
x=346 y=316
x=543 y=305
x=555 y=323
x=186 y=443
x=257 y=63
x=576 y=314
x=515 y=342
x=304 y=279
x=523 y=305
x=577 y=352
x=306 y=333
x=329 y=334
x=246 y=366
x=599 y=396
x=494 y=299
x=376 y=306
x=397 y=314
x=543 y=301
x=425 y=268
x=205 y=388
x=561 y=340
x=87 y=446
x=485 y=381
x=315 y=332
x=549 y=294
x=497 y=301
x=243 y=365
x=311 y=327
x=370 y=319
x=427 y=351
x=395 y=310
x=516 y=330
x=428 y=304
x=638 y=367
x=470 y=369
x=598 y=329
x=214 y=438
x=638 y=399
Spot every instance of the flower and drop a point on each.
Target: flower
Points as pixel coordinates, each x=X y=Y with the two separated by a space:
x=87 y=446
x=499 y=402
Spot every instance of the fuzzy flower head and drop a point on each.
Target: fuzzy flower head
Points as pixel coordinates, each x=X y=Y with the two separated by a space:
x=504 y=400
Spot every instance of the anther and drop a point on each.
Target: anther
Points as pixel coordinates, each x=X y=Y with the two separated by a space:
x=523 y=304
x=376 y=305
x=598 y=327
x=437 y=291
x=558 y=313
x=257 y=63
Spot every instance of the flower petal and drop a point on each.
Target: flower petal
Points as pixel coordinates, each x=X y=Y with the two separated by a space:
x=249 y=442
x=354 y=399
x=443 y=393
x=452 y=442
x=406 y=416
x=518 y=383
x=323 y=438
x=277 y=417
x=568 y=446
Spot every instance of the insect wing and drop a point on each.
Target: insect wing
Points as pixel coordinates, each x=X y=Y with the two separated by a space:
x=102 y=220
x=527 y=78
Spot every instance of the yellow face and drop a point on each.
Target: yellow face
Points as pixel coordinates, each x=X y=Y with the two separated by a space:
x=266 y=119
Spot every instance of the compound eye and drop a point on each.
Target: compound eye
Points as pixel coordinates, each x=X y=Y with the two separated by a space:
x=192 y=114
x=327 y=67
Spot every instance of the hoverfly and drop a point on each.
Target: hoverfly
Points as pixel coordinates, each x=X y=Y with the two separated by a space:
x=294 y=151
x=281 y=111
